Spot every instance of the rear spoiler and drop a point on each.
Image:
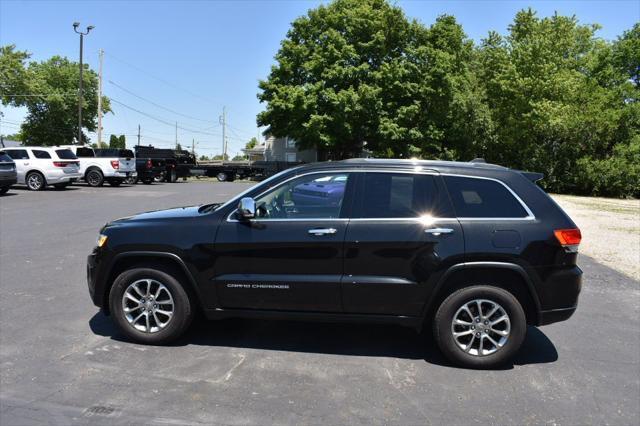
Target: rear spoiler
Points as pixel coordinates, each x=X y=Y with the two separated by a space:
x=532 y=176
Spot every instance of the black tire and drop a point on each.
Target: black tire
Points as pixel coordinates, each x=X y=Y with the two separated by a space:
x=443 y=328
x=183 y=306
x=115 y=182
x=147 y=181
x=94 y=178
x=159 y=177
x=4 y=190
x=130 y=180
x=35 y=181
x=222 y=177
x=61 y=186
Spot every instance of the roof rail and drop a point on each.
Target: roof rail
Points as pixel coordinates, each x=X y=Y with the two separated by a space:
x=478 y=160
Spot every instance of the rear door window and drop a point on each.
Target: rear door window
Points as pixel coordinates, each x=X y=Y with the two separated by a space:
x=398 y=195
x=482 y=198
x=38 y=153
x=18 y=154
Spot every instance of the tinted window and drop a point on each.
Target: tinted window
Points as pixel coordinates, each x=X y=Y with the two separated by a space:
x=317 y=196
x=40 y=154
x=114 y=152
x=18 y=154
x=84 y=153
x=66 y=154
x=4 y=157
x=482 y=198
x=401 y=195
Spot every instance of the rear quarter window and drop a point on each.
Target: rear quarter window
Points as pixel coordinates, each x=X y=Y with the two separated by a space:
x=482 y=198
x=66 y=154
x=84 y=153
x=38 y=153
x=4 y=157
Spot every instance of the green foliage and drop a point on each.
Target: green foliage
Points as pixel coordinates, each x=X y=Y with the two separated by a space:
x=548 y=96
x=203 y=158
x=358 y=71
x=239 y=157
x=118 y=142
x=48 y=90
x=220 y=158
x=253 y=142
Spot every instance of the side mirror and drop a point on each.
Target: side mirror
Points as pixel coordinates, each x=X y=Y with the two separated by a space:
x=247 y=208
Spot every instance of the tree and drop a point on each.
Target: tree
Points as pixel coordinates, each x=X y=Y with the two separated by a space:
x=178 y=147
x=558 y=97
x=253 y=142
x=219 y=157
x=203 y=158
x=48 y=90
x=118 y=142
x=239 y=157
x=358 y=72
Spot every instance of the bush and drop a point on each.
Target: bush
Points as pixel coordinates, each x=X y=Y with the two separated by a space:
x=617 y=175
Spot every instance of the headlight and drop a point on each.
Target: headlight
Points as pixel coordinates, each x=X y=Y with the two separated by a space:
x=102 y=240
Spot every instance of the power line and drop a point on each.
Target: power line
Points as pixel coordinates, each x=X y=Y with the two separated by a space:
x=158 y=105
x=168 y=83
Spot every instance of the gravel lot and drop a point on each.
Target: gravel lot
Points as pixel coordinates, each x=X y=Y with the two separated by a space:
x=62 y=362
x=610 y=230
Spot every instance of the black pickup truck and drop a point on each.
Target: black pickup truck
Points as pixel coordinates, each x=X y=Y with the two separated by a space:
x=178 y=162
x=149 y=169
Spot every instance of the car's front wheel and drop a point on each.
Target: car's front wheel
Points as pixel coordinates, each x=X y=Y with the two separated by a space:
x=480 y=326
x=150 y=305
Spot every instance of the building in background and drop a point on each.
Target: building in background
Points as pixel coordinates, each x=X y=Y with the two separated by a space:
x=281 y=149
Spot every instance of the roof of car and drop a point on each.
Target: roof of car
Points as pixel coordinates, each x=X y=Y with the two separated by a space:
x=477 y=164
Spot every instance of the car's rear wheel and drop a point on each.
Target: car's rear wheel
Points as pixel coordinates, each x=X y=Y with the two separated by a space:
x=94 y=178
x=222 y=177
x=150 y=305
x=35 y=181
x=480 y=327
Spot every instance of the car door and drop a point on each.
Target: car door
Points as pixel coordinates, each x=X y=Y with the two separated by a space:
x=401 y=235
x=290 y=256
x=21 y=158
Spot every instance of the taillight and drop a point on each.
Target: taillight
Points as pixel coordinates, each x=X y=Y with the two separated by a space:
x=149 y=164
x=115 y=164
x=60 y=164
x=568 y=238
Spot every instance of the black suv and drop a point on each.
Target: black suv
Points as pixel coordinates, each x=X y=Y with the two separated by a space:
x=475 y=250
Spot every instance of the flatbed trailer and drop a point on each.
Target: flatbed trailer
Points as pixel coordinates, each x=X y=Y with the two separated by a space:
x=232 y=170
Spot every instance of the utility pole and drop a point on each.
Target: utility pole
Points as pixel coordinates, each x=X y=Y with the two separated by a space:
x=193 y=147
x=223 y=121
x=101 y=54
x=176 y=135
x=138 y=135
x=80 y=97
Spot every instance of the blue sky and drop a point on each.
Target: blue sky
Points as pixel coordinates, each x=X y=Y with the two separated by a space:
x=193 y=57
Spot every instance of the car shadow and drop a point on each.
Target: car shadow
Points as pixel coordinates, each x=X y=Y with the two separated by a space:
x=8 y=194
x=375 y=340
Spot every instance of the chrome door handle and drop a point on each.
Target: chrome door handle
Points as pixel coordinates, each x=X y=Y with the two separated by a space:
x=322 y=231
x=438 y=231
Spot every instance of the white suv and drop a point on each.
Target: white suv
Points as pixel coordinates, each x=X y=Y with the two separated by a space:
x=39 y=166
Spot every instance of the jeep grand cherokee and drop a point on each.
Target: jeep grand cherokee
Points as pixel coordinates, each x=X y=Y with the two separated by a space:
x=474 y=250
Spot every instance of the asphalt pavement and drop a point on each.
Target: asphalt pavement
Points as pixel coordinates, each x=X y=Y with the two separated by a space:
x=63 y=362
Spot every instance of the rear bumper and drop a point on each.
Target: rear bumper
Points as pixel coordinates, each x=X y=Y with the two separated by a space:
x=559 y=295
x=54 y=178
x=8 y=181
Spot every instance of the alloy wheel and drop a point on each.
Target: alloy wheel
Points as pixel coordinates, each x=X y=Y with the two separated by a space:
x=481 y=327
x=34 y=182
x=148 y=305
